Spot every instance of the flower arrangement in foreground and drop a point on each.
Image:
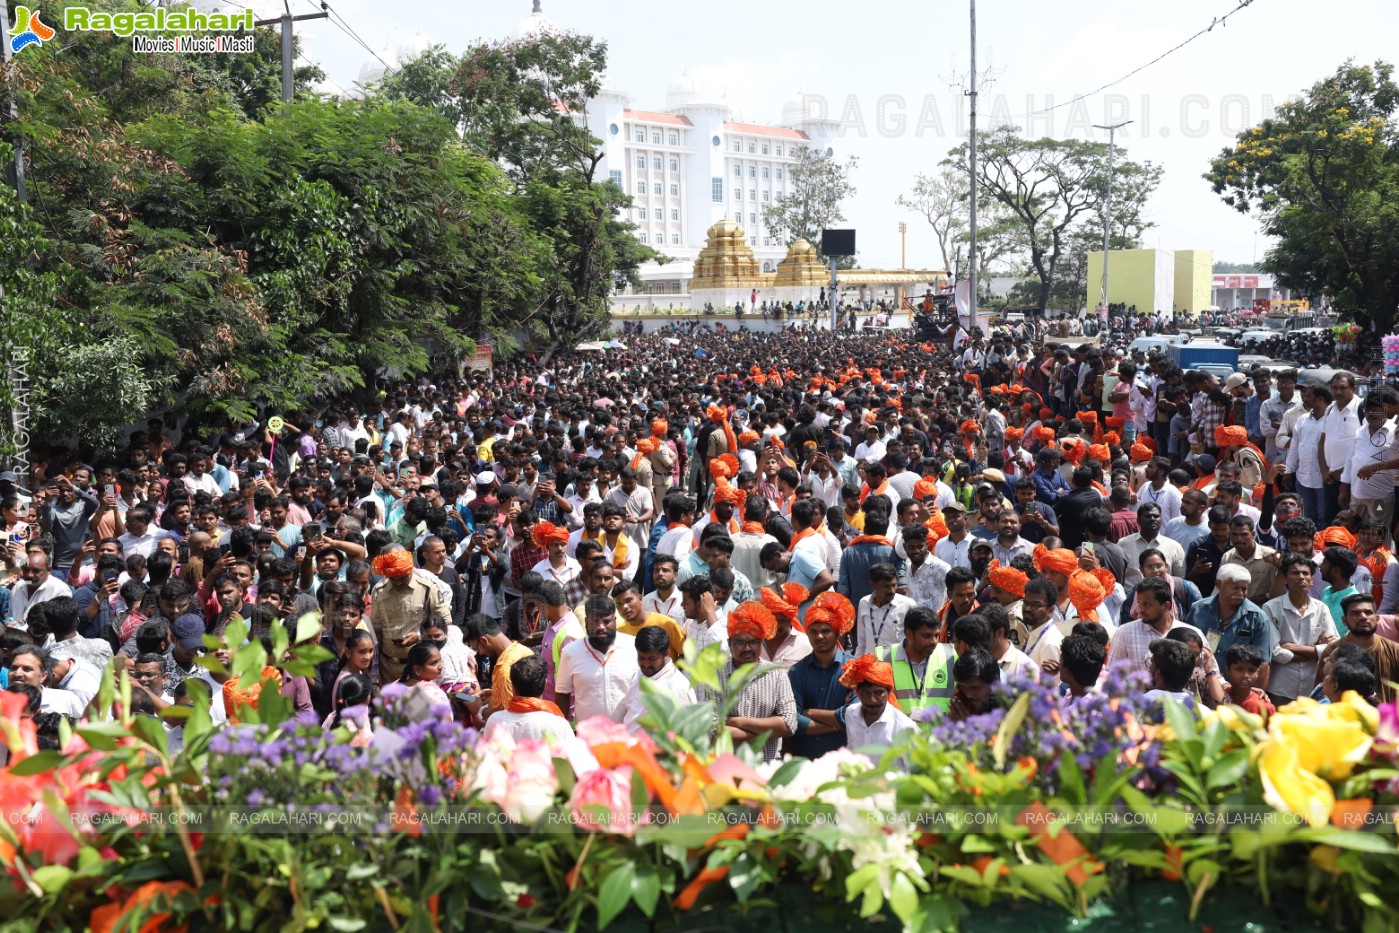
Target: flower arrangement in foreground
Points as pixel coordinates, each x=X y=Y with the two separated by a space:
x=276 y=824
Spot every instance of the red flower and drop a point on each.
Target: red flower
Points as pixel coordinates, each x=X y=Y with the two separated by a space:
x=525 y=901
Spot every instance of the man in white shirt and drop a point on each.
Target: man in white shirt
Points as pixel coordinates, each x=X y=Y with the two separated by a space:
x=678 y=539
x=1368 y=480
x=879 y=618
x=595 y=672
x=665 y=598
x=955 y=549
x=654 y=665
x=528 y=715
x=1149 y=536
x=872 y=450
x=1339 y=428
x=1043 y=642
x=199 y=479
x=37 y=585
x=1304 y=452
x=927 y=575
x=872 y=723
x=1158 y=491
x=1191 y=525
x=141 y=536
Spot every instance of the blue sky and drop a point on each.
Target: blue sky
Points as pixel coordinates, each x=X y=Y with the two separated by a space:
x=891 y=60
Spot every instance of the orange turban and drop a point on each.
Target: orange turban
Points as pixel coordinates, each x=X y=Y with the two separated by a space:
x=1111 y=439
x=1046 y=414
x=235 y=700
x=1150 y=443
x=777 y=442
x=547 y=533
x=1043 y=434
x=1059 y=560
x=752 y=619
x=925 y=489
x=834 y=609
x=1087 y=417
x=748 y=437
x=1087 y=592
x=647 y=445
x=1140 y=453
x=1074 y=451
x=937 y=529
x=1101 y=453
x=724 y=466
x=1231 y=435
x=970 y=427
x=867 y=670
x=659 y=427
x=398 y=564
x=720 y=416
x=726 y=492
x=1336 y=536
x=973 y=378
x=786 y=603
x=1008 y=578
x=1115 y=423
x=1014 y=433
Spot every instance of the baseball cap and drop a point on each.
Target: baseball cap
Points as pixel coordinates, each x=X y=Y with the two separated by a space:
x=9 y=476
x=954 y=506
x=189 y=631
x=1205 y=462
x=1234 y=381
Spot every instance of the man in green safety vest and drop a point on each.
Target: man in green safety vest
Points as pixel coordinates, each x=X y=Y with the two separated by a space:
x=922 y=665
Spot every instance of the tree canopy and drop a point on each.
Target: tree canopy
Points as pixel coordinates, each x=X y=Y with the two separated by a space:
x=819 y=184
x=191 y=240
x=1323 y=176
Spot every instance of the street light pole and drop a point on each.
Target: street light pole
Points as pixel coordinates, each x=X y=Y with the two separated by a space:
x=285 y=21
x=1107 y=203
x=971 y=311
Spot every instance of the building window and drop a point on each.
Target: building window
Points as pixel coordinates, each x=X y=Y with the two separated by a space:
x=675 y=239
x=738 y=170
x=752 y=194
x=765 y=148
x=752 y=147
x=753 y=219
x=656 y=163
x=674 y=139
x=641 y=136
x=738 y=193
x=675 y=213
x=643 y=237
x=765 y=171
x=752 y=171
x=675 y=191
x=641 y=187
x=767 y=196
x=655 y=139
x=716 y=190
x=738 y=218
x=640 y=161
x=779 y=174
x=752 y=241
x=778 y=151
x=738 y=146
x=658 y=214
x=675 y=165
x=767 y=266
x=616 y=177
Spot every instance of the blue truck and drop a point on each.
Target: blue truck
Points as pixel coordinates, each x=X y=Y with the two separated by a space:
x=1215 y=358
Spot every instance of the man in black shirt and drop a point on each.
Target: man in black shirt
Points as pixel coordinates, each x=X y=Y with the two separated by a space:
x=1071 y=508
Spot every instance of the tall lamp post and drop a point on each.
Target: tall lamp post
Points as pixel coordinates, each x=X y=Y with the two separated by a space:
x=971 y=168
x=1107 y=203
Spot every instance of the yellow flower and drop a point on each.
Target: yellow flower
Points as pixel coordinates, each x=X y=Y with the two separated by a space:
x=1308 y=743
x=1324 y=857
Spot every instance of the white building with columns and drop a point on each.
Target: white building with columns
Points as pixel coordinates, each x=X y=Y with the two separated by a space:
x=695 y=160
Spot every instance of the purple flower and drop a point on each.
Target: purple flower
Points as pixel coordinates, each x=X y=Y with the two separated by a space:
x=429 y=796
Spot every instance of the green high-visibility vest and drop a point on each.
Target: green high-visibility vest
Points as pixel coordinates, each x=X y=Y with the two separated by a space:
x=936 y=687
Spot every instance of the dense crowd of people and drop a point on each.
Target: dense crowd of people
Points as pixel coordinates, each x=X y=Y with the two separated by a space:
x=895 y=527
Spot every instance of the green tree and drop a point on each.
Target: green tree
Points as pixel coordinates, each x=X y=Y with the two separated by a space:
x=521 y=103
x=1048 y=185
x=1322 y=176
x=818 y=185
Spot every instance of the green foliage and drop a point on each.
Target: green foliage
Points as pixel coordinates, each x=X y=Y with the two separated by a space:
x=818 y=185
x=520 y=103
x=1323 y=177
x=1048 y=187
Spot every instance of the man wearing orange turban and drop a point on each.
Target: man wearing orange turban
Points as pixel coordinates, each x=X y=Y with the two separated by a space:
x=874 y=721
x=659 y=427
x=1088 y=590
x=722 y=439
x=789 y=643
x=1056 y=563
x=766 y=705
x=925 y=489
x=1140 y=453
x=1100 y=453
x=402 y=602
x=728 y=505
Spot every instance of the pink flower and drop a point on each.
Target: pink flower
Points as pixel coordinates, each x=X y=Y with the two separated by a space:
x=601 y=802
x=599 y=730
x=530 y=782
x=1387 y=735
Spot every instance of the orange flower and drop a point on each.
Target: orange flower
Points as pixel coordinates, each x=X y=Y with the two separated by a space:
x=108 y=918
x=685 y=900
